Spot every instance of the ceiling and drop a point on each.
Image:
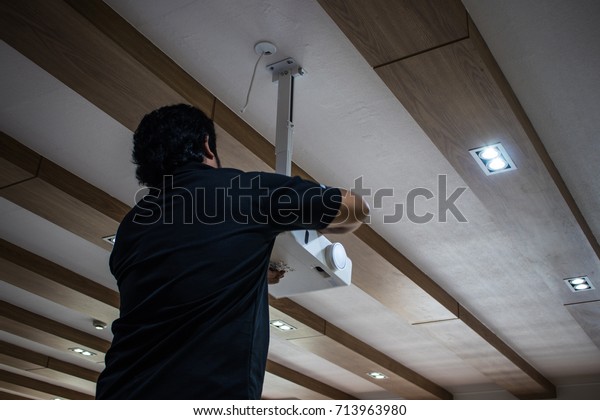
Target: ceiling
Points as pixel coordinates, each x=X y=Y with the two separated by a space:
x=471 y=304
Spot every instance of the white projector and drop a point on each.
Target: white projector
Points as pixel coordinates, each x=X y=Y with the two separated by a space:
x=311 y=263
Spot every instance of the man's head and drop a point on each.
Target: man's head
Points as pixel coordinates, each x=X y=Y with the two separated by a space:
x=170 y=137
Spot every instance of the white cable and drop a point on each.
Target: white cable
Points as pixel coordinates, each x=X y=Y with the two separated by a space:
x=251 y=83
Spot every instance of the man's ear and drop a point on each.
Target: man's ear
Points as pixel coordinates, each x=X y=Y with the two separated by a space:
x=206 y=149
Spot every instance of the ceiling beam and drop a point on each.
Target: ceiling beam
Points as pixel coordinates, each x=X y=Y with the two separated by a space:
x=41 y=389
x=46 y=331
x=11 y=396
x=516 y=107
x=416 y=70
x=37 y=275
x=341 y=348
x=306 y=381
x=17 y=162
x=42 y=277
x=48 y=367
x=81 y=53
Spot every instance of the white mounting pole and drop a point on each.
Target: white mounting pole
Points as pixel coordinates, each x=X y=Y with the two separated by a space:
x=284 y=73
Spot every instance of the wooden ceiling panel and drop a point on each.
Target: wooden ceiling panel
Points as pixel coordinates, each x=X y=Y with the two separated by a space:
x=88 y=62
x=278 y=388
x=55 y=283
x=384 y=31
x=25 y=23
x=587 y=314
x=56 y=370
x=61 y=197
x=44 y=278
x=345 y=350
x=12 y=396
x=17 y=162
x=39 y=389
x=60 y=208
x=306 y=381
x=337 y=353
x=477 y=352
x=45 y=331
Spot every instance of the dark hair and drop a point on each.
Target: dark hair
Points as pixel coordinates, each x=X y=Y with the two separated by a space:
x=170 y=137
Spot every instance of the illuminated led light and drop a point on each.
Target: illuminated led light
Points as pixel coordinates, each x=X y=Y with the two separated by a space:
x=577 y=280
x=83 y=352
x=489 y=153
x=579 y=284
x=111 y=239
x=377 y=375
x=99 y=325
x=493 y=159
x=497 y=164
x=283 y=326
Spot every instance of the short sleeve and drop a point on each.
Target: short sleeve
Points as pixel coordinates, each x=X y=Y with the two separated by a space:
x=294 y=203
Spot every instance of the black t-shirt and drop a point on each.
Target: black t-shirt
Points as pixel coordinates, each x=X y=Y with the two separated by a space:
x=191 y=263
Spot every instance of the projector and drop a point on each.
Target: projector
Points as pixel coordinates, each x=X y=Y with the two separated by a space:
x=311 y=263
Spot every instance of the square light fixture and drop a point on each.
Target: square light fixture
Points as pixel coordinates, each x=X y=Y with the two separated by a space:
x=81 y=351
x=579 y=284
x=110 y=239
x=493 y=159
x=283 y=326
x=377 y=375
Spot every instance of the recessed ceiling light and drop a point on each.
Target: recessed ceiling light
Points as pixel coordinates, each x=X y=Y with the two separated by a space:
x=490 y=152
x=493 y=159
x=377 y=375
x=110 y=239
x=81 y=351
x=283 y=326
x=579 y=284
x=99 y=325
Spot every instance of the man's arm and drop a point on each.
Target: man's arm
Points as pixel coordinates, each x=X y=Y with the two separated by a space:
x=352 y=213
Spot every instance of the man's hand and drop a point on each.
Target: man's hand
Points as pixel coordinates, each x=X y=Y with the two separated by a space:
x=352 y=213
x=273 y=276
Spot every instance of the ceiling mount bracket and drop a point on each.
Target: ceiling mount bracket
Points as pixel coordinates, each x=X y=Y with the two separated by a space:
x=284 y=73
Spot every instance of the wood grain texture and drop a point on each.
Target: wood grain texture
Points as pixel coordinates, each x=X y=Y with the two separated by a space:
x=17 y=162
x=532 y=135
x=152 y=58
x=61 y=41
x=22 y=261
x=451 y=95
x=343 y=356
x=518 y=384
x=407 y=267
x=474 y=350
x=62 y=209
x=56 y=292
x=42 y=365
x=347 y=351
x=386 y=362
x=223 y=116
x=384 y=31
x=292 y=309
x=587 y=314
x=35 y=327
x=81 y=190
x=306 y=381
x=10 y=396
x=69 y=56
x=51 y=391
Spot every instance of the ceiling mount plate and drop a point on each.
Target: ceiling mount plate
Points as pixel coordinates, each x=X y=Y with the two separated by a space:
x=287 y=65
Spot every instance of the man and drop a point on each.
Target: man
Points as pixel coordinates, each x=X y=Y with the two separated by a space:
x=191 y=262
